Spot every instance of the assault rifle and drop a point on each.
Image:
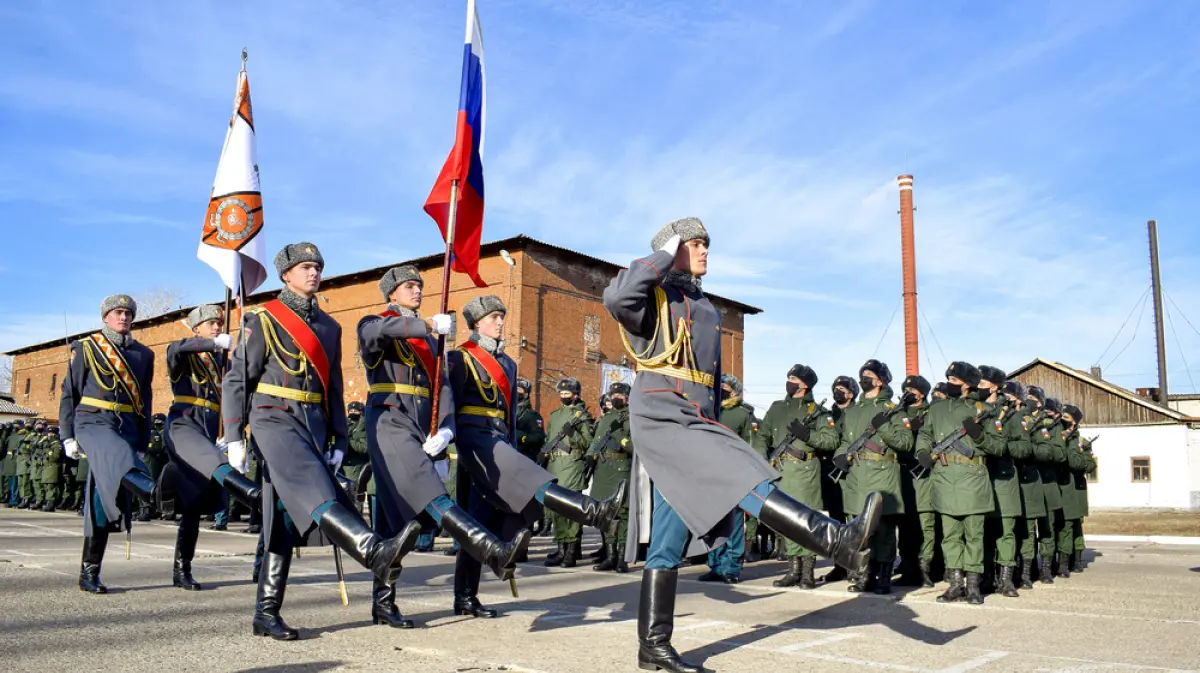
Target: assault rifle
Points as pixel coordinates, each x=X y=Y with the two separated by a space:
x=859 y=444
x=784 y=446
x=567 y=431
x=954 y=440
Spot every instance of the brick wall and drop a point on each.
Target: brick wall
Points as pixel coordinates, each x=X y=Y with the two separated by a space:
x=551 y=295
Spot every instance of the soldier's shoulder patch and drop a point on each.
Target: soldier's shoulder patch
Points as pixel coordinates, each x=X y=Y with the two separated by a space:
x=1045 y=433
x=1063 y=435
x=999 y=424
x=907 y=423
x=832 y=423
x=1025 y=422
x=539 y=421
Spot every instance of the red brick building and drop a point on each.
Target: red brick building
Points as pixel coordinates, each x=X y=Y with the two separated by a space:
x=556 y=324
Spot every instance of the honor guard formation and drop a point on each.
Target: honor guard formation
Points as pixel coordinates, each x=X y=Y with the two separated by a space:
x=976 y=481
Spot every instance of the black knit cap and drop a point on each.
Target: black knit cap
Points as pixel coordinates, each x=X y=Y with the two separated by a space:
x=1075 y=412
x=805 y=374
x=965 y=372
x=847 y=383
x=878 y=368
x=993 y=374
x=918 y=382
x=1036 y=392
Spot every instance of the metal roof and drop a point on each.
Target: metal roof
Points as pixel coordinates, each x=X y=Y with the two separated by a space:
x=518 y=242
x=7 y=406
x=1103 y=385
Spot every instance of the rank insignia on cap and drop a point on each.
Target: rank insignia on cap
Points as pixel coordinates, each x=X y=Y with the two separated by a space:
x=309 y=250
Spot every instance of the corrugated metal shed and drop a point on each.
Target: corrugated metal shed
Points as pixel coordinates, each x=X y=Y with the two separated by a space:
x=1102 y=403
x=11 y=408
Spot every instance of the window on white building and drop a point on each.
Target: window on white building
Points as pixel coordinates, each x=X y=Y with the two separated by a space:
x=1141 y=469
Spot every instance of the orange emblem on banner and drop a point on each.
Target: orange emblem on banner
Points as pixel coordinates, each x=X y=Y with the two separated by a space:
x=232 y=220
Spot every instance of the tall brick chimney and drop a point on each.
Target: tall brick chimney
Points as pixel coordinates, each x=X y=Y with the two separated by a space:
x=908 y=259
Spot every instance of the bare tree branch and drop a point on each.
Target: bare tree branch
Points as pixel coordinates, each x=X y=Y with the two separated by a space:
x=5 y=374
x=159 y=300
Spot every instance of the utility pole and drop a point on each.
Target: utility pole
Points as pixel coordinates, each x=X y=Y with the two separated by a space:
x=908 y=262
x=1160 y=340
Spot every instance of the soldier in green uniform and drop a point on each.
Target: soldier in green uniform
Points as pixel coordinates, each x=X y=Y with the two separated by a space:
x=918 y=527
x=875 y=466
x=33 y=468
x=952 y=445
x=155 y=459
x=356 y=459
x=51 y=449
x=1086 y=463
x=738 y=416
x=24 y=460
x=1049 y=451
x=1033 y=500
x=12 y=442
x=836 y=493
x=613 y=452
x=5 y=429
x=1000 y=533
x=1074 y=502
x=796 y=428
x=571 y=436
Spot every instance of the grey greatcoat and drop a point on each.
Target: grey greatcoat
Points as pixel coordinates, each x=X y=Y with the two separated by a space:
x=507 y=479
x=111 y=440
x=702 y=468
x=192 y=428
x=290 y=435
x=398 y=423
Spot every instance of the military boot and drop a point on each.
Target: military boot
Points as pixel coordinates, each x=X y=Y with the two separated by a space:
x=570 y=556
x=243 y=489
x=836 y=574
x=466 y=589
x=807 y=565
x=780 y=549
x=483 y=545
x=185 y=549
x=621 y=566
x=1047 y=574
x=383 y=606
x=752 y=553
x=883 y=586
x=1077 y=562
x=606 y=560
x=555 y=558
x=956 y=591
x=93 y=557
x=974 y=597
x=271 y=587
x=1064 y=565
x=49 y=506
x=601 y=553
x=845 y=544
x=346 y=529
x=1007 y=588
x=599 y=514
x=926 y=579
x=792 y=577
x=1026 y=574
x=656 y=623
x=864 y=581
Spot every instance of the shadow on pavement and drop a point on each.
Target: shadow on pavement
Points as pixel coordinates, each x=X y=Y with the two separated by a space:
x=311 y=667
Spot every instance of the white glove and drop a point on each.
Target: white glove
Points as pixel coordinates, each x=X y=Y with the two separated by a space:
x=71 y=447
x=221 y=444
x=441 y=324
x=335 y=459
x=237 y=455
x=672 y=245
x=223 y=341
x=436 y=445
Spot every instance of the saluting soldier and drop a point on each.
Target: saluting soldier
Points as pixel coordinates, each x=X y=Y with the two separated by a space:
x=917 y=538
x=398 y=349
x=502 y=481
x=104 y=412
x=700 y=472
x=1049 y=452
x=570 y=432
x=613 y=453
x=875 y=465
x=793 y=431
x=962 y=489
x=1000 y=534
x=198 y=468
x=1074 y=498
x=835 y=494
x=285 y=385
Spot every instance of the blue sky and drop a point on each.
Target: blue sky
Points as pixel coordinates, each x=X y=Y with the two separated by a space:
x=1042 y=137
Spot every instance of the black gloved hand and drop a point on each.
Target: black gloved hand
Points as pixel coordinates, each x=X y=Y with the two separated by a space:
x=799 y=430
x=879 y=421
x=925 y=458
x=916 y=423
x=973 y=428
x=908 y=399
x=842 y=462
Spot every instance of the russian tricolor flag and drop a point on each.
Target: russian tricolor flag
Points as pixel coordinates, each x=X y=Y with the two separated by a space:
x=465 y=163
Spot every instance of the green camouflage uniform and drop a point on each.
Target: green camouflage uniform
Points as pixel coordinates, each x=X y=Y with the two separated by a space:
x=568 y=463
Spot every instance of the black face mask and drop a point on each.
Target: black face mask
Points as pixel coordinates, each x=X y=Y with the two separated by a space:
x=567 y=401
x=953 y=392
x=867 y=384
x=791 y=387
x=982 y=394
x=619 y=404
x=841 y=396
x=521 y=397
x=908 y=399
x=354 y=416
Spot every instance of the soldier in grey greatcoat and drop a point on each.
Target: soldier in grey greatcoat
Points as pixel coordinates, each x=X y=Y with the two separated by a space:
x=199 y=467
x=692 y=474
x=398 y=350
x=285 y=386
x=503 y=482
x=105 y=413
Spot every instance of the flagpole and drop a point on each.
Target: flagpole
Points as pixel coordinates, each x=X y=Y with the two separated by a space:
x=436 y=383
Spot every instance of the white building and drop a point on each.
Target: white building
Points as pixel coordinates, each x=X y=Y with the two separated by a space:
x=1147 y=455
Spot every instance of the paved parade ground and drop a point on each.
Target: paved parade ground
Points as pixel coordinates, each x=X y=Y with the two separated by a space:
x=1136 y=608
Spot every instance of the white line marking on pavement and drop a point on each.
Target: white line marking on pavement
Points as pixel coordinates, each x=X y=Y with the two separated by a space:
x=982 y=660
x=68 y=533
x=701 y=625
x=819 y=642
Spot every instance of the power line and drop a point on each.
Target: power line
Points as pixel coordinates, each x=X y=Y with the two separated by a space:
x=935 y=339
x=889 y=326
x=1180 y=347
x=1122 y=327
x=1181 y=313
x=1136 y=326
